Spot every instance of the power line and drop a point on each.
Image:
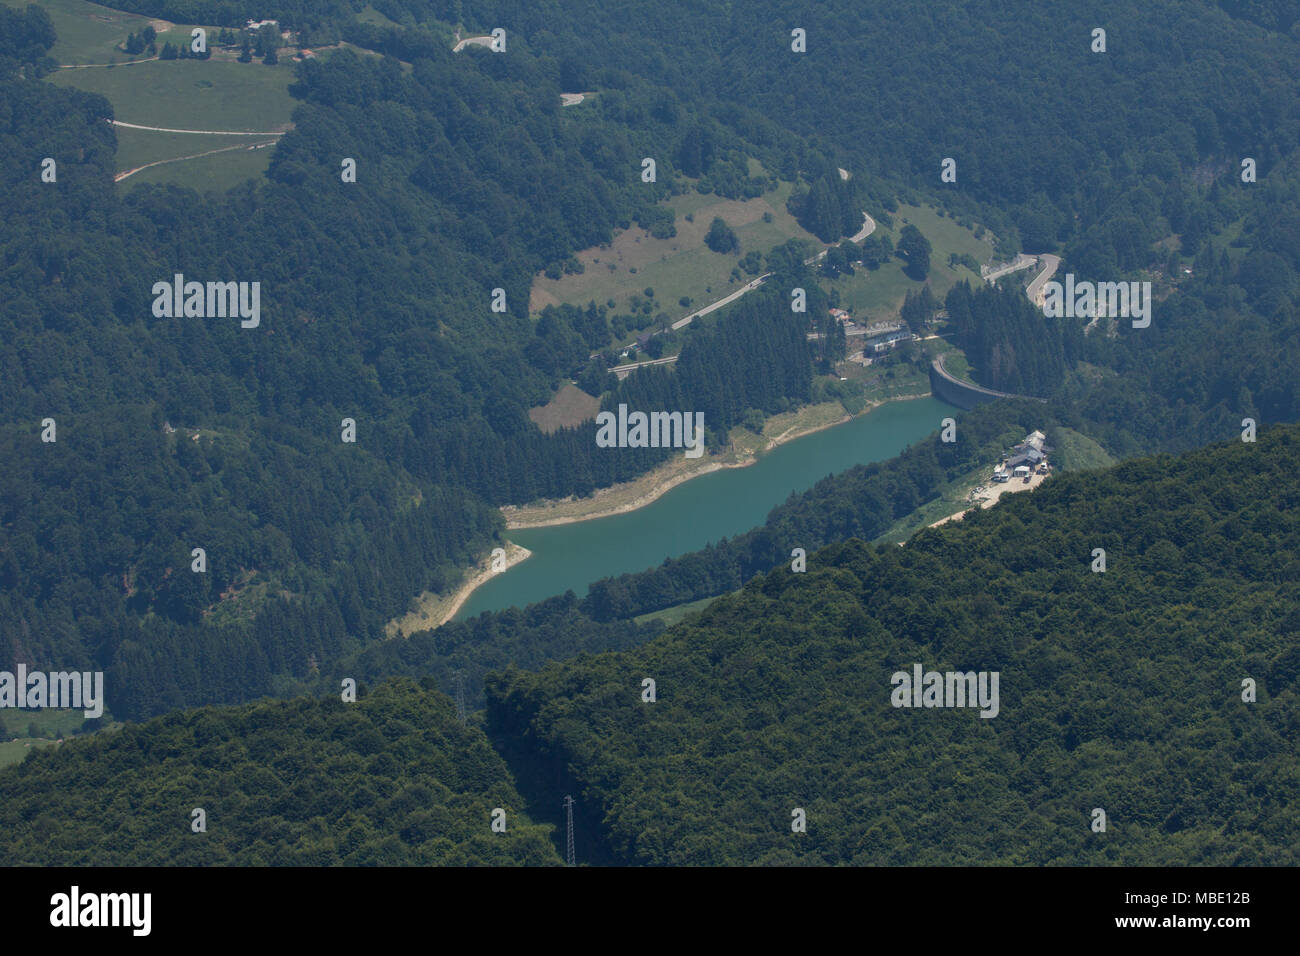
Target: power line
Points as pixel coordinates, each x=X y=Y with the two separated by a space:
x=568 y=847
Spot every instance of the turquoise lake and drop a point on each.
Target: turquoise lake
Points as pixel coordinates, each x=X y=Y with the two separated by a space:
x=717 y=505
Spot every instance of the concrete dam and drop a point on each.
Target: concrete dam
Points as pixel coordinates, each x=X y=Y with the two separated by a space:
x=964 y=394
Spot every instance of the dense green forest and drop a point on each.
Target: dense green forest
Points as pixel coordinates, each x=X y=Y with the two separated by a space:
x=861 y=502
x=377 y=306
x=1012 y=346
x=25 y=36
x=1120 y=690
x=313 y=543
x=393 y=779
x=1038 y=124
x=555 y=629
x=376 y=297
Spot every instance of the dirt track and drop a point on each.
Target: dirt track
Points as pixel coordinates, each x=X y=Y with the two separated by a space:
x=204 y=132
x=224 y=149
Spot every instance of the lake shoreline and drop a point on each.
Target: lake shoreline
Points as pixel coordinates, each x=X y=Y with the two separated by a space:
x=648 y=489
x=436 y=610
x=655 y=484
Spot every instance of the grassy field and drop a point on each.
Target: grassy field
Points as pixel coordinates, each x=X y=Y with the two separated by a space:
x=136 y=147
x=194 y=94
x=216 y=94
x=881 y=384
x=954 y=362
x=15 y=751
x=218 y=172
x=1073 y=451
x=36 y=728
x=671 y=615
x=879 y=294
x=676 y=267
x=87 y=32
x=570 y=406
x=953 y=497
x=371 y=15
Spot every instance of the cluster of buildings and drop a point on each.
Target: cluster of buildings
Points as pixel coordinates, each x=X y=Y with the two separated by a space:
x=272 y=26
x=1026 y=458
x=876 y=339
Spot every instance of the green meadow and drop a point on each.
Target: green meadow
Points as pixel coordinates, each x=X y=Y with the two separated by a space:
x=217 y=172
x=136 y=147
x=879 y=294
x=211 y=94
x=194 y=94
x=87 y=32
x=36 y=728
x=217 y=94
x=680 y=266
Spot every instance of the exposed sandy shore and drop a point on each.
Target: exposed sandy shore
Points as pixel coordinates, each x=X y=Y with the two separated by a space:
x=629 y=496
x=436 y=610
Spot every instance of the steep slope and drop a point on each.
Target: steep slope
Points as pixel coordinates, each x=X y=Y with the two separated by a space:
x=1119 y=691
x=392 y=779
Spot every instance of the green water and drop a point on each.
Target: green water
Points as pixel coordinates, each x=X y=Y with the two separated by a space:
x=713 y=506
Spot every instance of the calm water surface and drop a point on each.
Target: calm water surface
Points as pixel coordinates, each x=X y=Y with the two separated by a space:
x=717 y=505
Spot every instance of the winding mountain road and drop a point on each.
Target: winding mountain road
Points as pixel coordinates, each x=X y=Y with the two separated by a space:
x=868 y=227
x=1035 y=291
x=481 y=41
x=1021 y=261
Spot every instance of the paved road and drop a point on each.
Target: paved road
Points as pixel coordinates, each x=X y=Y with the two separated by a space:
x=725 y=300
x=1021 y=261
x=623 y=371
x=1035 y=290
x=481 y=41
x=868 y=227
x=938 y=367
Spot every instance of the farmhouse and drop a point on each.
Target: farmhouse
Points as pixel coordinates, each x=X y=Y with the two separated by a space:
x=1027 y=457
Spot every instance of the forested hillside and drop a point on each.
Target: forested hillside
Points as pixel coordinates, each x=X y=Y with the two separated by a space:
x=1010 y=343
x=176 y=433
x=861 y=502
x=394 y=779
x=1039 y=125
x=1119 y=690
x=1124 y=690
x=376 y=296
